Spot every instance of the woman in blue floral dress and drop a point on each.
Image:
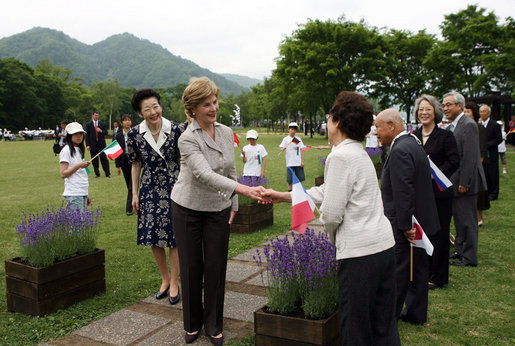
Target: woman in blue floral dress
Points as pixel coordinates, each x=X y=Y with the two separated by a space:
x=153 y=152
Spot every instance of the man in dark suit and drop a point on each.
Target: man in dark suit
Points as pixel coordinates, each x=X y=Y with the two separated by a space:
x=493 y=139
x=95 y=142
x=467 y=179
x=122 y=161
x=407 y=191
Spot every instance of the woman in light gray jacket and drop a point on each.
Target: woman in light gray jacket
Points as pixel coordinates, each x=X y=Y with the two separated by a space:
x=204 y=204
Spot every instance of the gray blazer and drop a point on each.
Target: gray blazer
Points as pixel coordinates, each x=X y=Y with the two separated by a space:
x=470 y=172
x=207 y=178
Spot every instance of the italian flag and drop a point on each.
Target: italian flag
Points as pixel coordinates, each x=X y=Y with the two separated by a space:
x=113 y=150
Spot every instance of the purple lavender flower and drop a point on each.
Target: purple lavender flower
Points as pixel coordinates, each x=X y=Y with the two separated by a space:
x=57 y=234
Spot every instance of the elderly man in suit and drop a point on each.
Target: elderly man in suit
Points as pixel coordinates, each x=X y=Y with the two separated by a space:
x=493 y=139
x=405 y=186
x=95 y=142
x=467 y=179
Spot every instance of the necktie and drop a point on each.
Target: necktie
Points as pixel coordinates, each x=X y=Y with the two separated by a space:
x=451 y=128
x=96 y=132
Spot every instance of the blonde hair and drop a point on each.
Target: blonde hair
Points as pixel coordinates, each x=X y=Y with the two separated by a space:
x=198 y=89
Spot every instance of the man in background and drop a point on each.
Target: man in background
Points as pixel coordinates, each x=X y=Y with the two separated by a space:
x=467 y=180
x=493 y=139
x=96 y=131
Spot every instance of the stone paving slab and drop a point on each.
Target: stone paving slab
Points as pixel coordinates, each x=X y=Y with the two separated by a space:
x=257 y=281
x=241 y=306
x=247 y=256
x=122 y=327
x=173 y=334
x=239 y=272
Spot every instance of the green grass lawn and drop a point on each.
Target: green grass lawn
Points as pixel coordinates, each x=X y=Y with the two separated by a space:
x=476 y=308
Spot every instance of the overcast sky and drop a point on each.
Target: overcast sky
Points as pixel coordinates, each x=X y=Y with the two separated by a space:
x=224 y=36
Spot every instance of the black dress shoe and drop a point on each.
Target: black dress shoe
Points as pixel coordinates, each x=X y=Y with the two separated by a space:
x=189 y=338
x=455 y=255
x=174 y=300
x=463 y=264
x=431 y=286
x=161 y=295
x=216 y=341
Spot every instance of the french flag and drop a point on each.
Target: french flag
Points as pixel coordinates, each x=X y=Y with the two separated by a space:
x=302 y=206
x=421 y=239
x=236 y=140
x=440 y=179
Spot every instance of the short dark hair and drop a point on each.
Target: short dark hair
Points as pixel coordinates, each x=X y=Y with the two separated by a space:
x=353 y=113
x=474 y=108
x=141 y=95
x=125 y=116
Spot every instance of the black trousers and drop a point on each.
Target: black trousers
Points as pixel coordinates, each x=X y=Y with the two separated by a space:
x=126 y=169
x=203 y=244
x=103 y=160
x=366 y=301
x=492 y=177
x=412 y=294
x=439 y=262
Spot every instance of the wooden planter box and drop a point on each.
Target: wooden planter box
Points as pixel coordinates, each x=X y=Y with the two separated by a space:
x=274 y=329
x=40 y=291
x=252 y=217
x=319 y=181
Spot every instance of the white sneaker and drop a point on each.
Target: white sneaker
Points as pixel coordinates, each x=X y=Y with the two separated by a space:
x=504 y=171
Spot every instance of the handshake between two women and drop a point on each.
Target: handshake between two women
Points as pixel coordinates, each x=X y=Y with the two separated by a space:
x=262 y=195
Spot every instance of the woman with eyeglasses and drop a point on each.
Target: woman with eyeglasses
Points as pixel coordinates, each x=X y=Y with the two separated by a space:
x=441 y=147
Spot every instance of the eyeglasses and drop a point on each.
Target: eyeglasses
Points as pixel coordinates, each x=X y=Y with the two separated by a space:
x=449 y=104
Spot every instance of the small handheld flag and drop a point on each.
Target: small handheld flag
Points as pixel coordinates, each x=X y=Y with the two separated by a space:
x=302 y=205
x=440 y=178
x=295 y=140
x=421 y=240
x=113 y=150
x=236 y=140
x=305 y=148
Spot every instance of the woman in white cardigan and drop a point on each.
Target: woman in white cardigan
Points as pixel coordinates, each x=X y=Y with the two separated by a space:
x=352 y=213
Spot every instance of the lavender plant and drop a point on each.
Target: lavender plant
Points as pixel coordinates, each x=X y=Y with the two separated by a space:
x=303 y=270
x=321 y=165
x=250 y=181
x=55 y=235
x=374 y=153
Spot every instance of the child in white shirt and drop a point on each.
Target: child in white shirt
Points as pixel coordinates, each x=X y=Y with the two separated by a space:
x=254 y=156
x=72 y=168
x=294 y=155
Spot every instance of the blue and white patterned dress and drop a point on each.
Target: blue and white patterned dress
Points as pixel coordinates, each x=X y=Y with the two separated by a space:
x=160 y=168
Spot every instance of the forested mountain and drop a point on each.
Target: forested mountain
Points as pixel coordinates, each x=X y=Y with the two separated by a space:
x=245 y=81
x=133 y=61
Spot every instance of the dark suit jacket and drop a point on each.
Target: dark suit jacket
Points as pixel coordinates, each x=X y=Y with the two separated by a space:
x=406 y=188
x=91 y=140
x=443 y=151
x=493 y=139
x=470 y=173
x=123 y=159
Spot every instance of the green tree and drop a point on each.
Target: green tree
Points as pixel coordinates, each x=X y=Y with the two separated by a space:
x=19 y=96
x=321 y=59
x=403 y=76
x=106 y=96
x=468 y=57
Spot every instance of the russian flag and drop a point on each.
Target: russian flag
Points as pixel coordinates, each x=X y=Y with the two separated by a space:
x=421 y=239
x=113 y=150
x=440 y=179
x=302 y=206
x=305 y=148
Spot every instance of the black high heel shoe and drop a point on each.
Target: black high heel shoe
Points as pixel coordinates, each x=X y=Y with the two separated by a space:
x=175 y=300
x=161 y=295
